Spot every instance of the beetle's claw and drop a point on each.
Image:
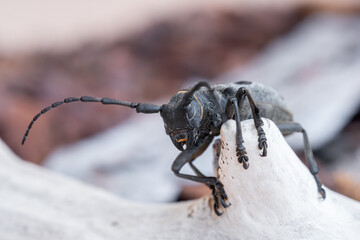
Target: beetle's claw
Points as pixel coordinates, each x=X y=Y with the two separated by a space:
x=216 y=207
x=263 y=145
x=262 y=141
x=245 y=165
x=243 y=158
x=322 y=193
x=219 y=194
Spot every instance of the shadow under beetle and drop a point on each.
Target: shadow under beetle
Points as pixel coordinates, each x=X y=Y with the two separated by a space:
x=194 y=116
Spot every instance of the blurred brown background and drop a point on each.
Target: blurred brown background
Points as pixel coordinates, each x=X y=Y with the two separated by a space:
x=133 y=52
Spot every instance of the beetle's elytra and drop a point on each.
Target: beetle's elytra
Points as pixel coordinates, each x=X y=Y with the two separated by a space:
x=193 y=117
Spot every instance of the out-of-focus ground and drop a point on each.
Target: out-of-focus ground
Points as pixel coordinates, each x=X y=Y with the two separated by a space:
x=150 y=54
x=63 y=25
x=148 y=65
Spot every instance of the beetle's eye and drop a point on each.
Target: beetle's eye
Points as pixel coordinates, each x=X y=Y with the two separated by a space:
x=190 y=112
x=193 y=114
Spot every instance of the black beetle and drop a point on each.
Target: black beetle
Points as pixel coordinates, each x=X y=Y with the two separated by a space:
x=194 y=116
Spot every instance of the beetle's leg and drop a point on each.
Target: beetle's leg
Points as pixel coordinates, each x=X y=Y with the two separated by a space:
x=189 y=155
x=218 y=192
x=291 y=127
x=197 y=171
x=216 y=153
x=232 y=110
x=257 y=120
x=215 y=193
x=216 y=150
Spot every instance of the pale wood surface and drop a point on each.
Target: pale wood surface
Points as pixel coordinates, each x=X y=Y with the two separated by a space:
x=276 y=198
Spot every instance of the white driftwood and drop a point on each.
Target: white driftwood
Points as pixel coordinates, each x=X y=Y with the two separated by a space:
x=276 y=198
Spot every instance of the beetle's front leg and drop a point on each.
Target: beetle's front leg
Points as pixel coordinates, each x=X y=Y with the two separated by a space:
x=242 y=93
x=213 y=183
x=232 y=108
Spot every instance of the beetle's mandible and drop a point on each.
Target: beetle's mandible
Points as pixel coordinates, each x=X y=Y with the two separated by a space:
x=193 y=117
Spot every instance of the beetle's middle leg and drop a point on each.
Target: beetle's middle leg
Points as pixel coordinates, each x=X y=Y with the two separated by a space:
x=287 y=128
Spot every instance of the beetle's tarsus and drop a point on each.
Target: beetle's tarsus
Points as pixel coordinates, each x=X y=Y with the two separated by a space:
x=322 y=193
x=219 y=194
x=262 y=140
x=216 y=207
x=242 y=157
x=263 y=145
x=224 y=203
x=245 y=165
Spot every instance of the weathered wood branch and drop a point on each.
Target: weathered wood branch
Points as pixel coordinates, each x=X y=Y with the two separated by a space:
x=276 y=198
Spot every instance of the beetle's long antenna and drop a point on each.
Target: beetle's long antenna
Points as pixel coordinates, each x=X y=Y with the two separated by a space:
x=140 y=107
x=187 y=98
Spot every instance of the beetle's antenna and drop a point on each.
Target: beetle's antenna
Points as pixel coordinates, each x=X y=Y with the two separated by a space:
x=140 y=107
x=187 y=98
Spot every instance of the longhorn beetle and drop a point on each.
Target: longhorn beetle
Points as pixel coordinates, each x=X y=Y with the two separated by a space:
x=194 y=116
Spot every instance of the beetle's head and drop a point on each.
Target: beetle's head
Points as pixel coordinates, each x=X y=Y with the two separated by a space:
x=182 y=122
